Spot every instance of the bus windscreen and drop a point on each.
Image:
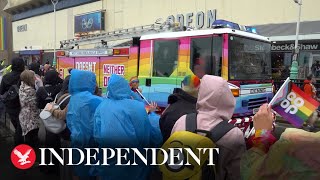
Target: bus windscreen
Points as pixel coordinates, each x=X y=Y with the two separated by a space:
x=249 y=59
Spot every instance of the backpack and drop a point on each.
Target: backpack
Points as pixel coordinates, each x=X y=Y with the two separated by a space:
x=191 y=139
x=49 y=97
x=12 y=94
x=51 y=123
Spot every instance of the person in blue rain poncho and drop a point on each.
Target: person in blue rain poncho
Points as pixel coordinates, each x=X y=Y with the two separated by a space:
x=122 y=122
x=81 y=109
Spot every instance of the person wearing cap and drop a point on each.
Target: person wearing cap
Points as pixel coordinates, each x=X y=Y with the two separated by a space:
x=134 y=84
x=136 y=95
x=182 y=101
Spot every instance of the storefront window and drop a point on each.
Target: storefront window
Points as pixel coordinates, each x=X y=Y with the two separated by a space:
x=206 y=56
x=281 y=64
x=165 y=57
x=315 y=67
x=308 y=57
x=307 y=64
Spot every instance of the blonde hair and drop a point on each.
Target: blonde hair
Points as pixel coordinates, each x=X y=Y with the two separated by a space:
x=131 y=79
x=27 y=77
x=191 y=90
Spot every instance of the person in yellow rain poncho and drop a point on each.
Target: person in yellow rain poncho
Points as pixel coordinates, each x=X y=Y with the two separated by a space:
x=7 y=70
x=294 y=156
x=4 y=71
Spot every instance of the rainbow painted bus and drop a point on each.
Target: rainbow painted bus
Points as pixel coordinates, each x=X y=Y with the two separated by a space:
x=161 y=61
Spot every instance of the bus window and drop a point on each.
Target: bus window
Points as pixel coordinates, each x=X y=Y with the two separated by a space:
x=249 y=59
x=206 y=56
x=217 y=54
x=165 y=57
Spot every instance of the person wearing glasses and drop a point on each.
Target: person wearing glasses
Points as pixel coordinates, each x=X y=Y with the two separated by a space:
x=137 y=95
x=134 y=84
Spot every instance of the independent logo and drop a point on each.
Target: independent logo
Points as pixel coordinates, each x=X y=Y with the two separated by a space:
x=23 y=156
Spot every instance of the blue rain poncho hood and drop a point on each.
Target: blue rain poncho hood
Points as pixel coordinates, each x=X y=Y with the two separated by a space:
x=81 y=109
x=82 y=81
x=118 y=88
x=121 y=122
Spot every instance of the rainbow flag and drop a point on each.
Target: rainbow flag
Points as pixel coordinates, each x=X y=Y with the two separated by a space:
x=293 y=104
x=3 y=33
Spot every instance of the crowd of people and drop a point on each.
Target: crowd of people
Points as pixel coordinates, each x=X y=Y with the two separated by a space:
x=121 y=120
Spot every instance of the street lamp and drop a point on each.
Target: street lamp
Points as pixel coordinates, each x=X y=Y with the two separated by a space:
x=294 y=66
x=54 y=3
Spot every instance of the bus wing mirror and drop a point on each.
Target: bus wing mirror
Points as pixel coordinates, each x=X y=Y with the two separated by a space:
x=148 y=82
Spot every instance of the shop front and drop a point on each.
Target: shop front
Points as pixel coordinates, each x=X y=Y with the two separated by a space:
x=308 y=59
x=30 y=56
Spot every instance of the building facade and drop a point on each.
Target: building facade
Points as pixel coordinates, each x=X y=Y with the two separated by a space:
x=33 y=24
x=5 y=34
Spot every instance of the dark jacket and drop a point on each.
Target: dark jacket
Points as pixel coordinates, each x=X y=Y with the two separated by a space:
x=12 y=78
x=180 y=103
x=35 y=67
x=53 y=85
x=64 y=90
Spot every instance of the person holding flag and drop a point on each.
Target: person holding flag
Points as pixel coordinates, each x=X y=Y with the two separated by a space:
x=293 y=104
x=293 y=156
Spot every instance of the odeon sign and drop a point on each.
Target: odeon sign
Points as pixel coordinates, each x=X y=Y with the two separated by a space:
x=200 y=18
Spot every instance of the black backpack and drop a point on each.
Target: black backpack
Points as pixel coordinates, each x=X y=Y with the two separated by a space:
x=193 y=172
x=49 y=97
x=11 y=95
x=214 y=134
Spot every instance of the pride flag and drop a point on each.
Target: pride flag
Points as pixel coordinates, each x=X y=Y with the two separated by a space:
x=293 y=104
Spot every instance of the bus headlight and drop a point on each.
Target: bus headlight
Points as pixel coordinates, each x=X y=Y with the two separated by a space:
x=235 y=92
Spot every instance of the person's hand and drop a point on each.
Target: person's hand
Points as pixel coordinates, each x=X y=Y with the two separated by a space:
x=263 y=119
x=274 y=116
x=49 y=107
x=153 y=107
